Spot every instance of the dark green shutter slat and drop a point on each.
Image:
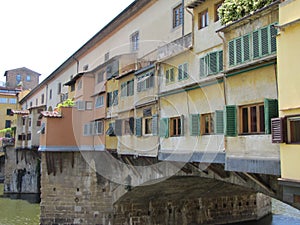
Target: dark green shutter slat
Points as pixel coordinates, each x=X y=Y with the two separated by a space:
x=230 y=120
x=164 y=127
x=255 y=44
x=219 y=122
x=118 y=127
x=238 y=50
x=194 y=125
x=220 y=61
x=273 y=33
x=202 y=67
x=271 y=111
x=246 y=47
x=155 y=125
x=264 y=38
x=231 y=53
x=182 y=125
x=213 y=63
x=138 y=127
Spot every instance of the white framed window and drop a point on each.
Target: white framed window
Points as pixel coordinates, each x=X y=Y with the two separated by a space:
x=88 y=105
x=134 y=41
x=127 y=88
x=177 y=16
x=170 y=77
x=145 y=81
x=100 y=76
x=147 y=126
x=80 y=105
x=183 y=71
x=99 y=101
x=99 y=128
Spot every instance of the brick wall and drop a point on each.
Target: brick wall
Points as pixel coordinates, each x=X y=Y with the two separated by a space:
x=11 y=76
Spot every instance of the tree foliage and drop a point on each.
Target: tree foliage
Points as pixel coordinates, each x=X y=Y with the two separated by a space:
x=66 y=103
x=232 y=10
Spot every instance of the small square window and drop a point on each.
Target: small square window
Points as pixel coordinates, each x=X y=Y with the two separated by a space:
x=28 y=78
x=203 y=19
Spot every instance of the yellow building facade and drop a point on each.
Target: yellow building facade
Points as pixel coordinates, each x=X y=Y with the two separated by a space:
x=286 y=129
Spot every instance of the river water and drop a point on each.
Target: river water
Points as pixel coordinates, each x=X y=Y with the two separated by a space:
x=21 y=212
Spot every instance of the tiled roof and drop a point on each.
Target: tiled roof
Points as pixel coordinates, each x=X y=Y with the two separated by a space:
x=52 y=114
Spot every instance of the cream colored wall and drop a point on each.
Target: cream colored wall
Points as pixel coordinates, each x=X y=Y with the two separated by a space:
x=199 y=101
x=206 y=38
x=289 y=82
x=126 y=102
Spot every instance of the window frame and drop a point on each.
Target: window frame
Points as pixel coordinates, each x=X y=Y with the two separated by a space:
x=145 y=81
x=28 y=78
x=210 y=129
x=289 y=119
x=183 y=69
x=134 y=41
x=177 y=130
x=201 y=15
x=100 y=76
x=259 y=117
x=177 y=16
x=100 y=101
x=146 y=126
x=217 y=6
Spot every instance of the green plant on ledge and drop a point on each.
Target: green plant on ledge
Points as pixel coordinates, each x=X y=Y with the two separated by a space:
x=232 y=10
x=6 y=130
x=67 y=103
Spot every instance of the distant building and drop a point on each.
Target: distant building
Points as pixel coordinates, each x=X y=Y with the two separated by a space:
x=24 y=77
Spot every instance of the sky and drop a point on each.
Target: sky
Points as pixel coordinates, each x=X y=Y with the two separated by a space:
x=42 y=34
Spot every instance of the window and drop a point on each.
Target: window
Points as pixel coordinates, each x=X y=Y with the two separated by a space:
x=8 y=112
x=36 y=101
x=80 y=105
x=183 y=71
x=28 y=78
x=207 y=123
x=211 y=63
x=148 y=125
x=100 y=76
x=89 y=105
x=12 y=101
x=129 y=126
x=99 y=127
x=134 y=41
x=18 y=78
x=59 y=88
x=88 y=129
x=42 y=99
x=257 y=44
x=111 y=129
x=170 y=75
x=177 y=16
x=72 y=87
x=50 y=94
x=23 y=121
x=3 y=100
x=203 y=19
x=79 y=84
x=7 y=123
x=127 y=88
x=30 y=104
x=145 y=81
x=175 y=126
x=38 y=123
x=106 y=56
x=28 y=136
x=112 y=98
x=252 y=119
x=99 y=101
x=293 y=126
x=217 y=6
x=22 y=137
x=29 y=122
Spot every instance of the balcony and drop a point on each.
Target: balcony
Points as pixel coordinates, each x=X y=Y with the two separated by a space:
x=7 y=142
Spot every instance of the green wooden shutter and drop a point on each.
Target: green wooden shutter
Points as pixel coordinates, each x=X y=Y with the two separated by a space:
x=230 y=120
x=273 y=33
x=155 y=125
x=238 y=50
x=180 y=72
x=202 y=67
x=271 y=111
x=213 y=63
x=220 y=61
x=219 y=122
x=246 y=48
x=231 y=53
x=194 y=124
x=185 y=70
x=255 y=44
x=138 y=127
x=131 y=125
x=164 y=127
x=182 y=125
x=264 y=40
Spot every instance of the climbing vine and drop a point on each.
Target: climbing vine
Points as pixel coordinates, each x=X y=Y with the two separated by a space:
x=232 y=10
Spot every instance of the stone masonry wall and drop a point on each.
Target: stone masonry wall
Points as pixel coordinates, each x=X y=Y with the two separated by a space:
x=72 y=192
x=22 y=171
x=218 y=210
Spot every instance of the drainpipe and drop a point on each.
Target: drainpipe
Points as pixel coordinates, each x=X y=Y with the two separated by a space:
x=191 y=13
